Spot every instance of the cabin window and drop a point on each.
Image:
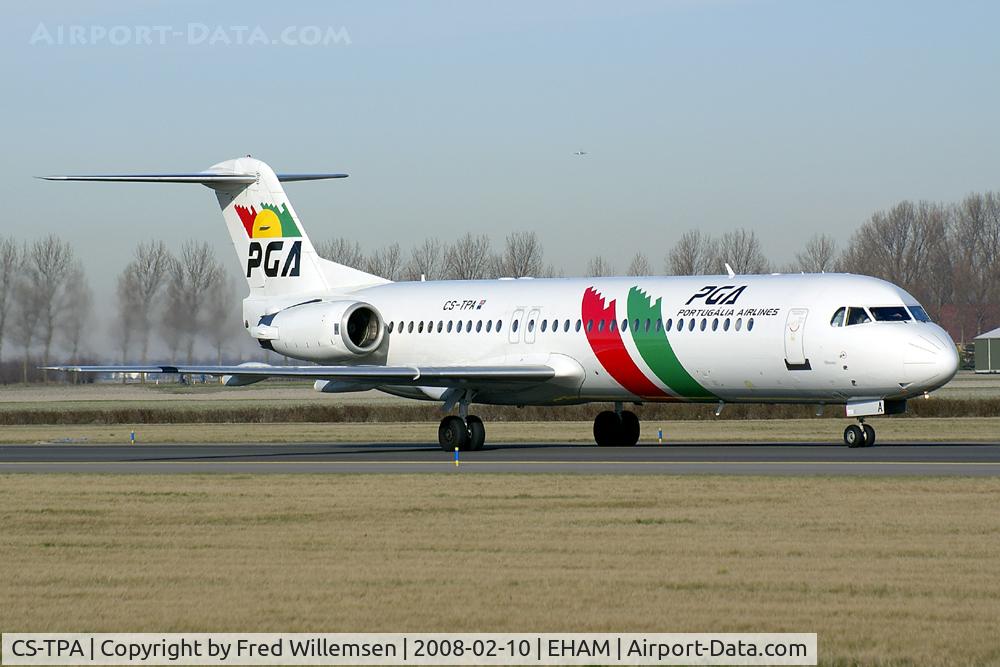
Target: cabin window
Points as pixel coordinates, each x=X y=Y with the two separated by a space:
x=531 y=325
x=513 y=326
x=479 y=326
x=635 y=325
x=579 y=323
x=566 y=326
x=680 y=324
x=691 y=324
x=451 y=325
x=440 y=326
x=499 y=324
x=750 y=324
x=659 y=324
x=890 y=314
x=545 y=325
x=590 y=325
x=739 y=323
x=857 y=315
x=838 y=317
x=390 y=326
x=704 y=323
x=600 y=325
x=648 y=322
x=468 y=326
x=489 y=326
x=715 y=324
x=420 y=328
x=624 y=325
x=725 y=325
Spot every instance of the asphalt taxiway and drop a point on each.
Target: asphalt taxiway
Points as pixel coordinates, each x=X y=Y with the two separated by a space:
x=979 y=459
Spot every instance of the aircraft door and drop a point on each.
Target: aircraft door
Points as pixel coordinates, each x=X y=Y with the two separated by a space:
x=514 y=330
x=795 y=352
x=531 y=325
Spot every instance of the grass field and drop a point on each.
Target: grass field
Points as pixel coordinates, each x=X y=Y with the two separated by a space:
x=887 y=571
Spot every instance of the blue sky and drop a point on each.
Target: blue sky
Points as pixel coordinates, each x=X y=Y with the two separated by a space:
x=788 y=118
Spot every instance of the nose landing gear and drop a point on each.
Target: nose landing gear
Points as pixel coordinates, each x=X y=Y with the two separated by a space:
x=859 y=435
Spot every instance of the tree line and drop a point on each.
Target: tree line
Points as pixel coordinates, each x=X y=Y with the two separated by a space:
x=185 y=304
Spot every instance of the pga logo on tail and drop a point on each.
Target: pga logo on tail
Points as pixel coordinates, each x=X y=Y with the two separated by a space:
x=275 y=258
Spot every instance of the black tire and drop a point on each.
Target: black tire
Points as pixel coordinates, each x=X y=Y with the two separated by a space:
x=869 y=436
x=452 y=433
x=477 y=432
x=854 y=436
x=607 y=428
x=629 y=429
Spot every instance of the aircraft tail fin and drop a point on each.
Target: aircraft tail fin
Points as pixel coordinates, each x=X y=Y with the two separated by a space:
x=276 y=254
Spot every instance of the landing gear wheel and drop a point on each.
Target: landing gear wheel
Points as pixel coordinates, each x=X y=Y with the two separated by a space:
x=453 y=433
x=477 y=432
x=854 y=436
x=629 y=429
x=869 y=435
x=607 y=425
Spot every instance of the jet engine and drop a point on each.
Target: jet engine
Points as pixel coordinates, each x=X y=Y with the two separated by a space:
x=323 y=331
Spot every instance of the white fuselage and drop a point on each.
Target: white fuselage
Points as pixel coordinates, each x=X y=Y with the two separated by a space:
x=743 y=339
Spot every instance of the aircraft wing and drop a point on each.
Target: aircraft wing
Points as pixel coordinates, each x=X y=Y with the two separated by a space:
x=417 y=376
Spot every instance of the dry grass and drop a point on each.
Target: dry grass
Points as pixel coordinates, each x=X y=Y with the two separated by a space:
x=764 y=430
x=887 y=571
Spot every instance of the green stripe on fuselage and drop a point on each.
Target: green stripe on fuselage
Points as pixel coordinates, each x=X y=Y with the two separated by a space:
x=654 y=346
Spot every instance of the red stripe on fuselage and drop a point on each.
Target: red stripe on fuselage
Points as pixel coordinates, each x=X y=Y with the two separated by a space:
x=607 y=344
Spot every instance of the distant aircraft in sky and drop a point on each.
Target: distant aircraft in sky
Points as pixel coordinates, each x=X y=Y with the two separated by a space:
x=580 y=153
x=803 y=338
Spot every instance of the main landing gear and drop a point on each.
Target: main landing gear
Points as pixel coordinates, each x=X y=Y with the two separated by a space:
x=618 y=428
x=859 y=435
x=467 y=434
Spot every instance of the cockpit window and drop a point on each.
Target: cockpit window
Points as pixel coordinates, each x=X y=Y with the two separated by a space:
x=919 y=314
x=890 y=314
x=857 y=315
x=838 y=317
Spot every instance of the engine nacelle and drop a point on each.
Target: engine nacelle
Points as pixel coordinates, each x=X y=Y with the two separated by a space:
x=324 y=331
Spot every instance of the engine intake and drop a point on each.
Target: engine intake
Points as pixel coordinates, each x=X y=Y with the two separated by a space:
x=323 y=331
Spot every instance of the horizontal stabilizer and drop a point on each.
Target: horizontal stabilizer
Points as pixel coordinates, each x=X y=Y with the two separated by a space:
x=202 y=177
x=428 y=376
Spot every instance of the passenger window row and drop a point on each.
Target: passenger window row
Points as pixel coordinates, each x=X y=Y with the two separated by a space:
x=554 y=325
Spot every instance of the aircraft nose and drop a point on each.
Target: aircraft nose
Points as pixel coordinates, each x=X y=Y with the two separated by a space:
x=930 y=359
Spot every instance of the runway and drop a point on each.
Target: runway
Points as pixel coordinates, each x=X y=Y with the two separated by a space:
x=979 y=459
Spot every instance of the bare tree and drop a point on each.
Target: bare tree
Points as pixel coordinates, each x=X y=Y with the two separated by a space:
x=898 y=245
x=129 y=305
x=694 y=254
x=469 y=258
x=343 y=251
x=522 y=256
x=11 y=258
x=639 y=266
x=598 y=267
x=78 y=311
x=818 y=256
x=149 y=267
x=425 y=261
x=741 y=249
x=219 y=323
x=385 y=262
x=976 y=248
x=51 y=260
x=28 y=300
x=194 y=275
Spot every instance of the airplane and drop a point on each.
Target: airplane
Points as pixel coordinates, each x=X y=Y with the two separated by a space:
x=817 y=339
